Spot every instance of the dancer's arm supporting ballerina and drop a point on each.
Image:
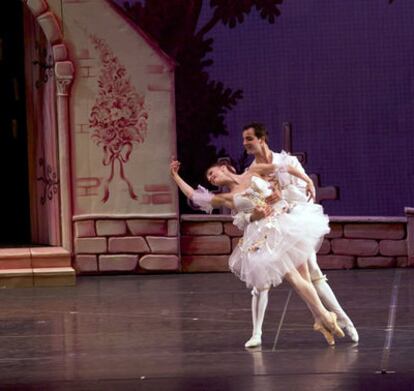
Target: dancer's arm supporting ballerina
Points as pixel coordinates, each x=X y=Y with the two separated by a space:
x=274 y=174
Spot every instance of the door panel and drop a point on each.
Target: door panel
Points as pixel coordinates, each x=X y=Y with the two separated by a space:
x=14 y=197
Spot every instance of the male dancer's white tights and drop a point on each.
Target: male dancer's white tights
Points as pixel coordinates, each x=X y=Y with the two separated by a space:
x=259 y=305
x=325 y=292
x=328 y=298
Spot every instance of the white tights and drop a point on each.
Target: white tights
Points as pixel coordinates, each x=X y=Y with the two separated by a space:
x=325 y=292
x=259 y=305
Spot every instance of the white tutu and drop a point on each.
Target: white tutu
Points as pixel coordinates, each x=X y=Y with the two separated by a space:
x=276 y=245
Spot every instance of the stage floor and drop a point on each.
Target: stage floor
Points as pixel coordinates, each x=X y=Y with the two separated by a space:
x=186 y=332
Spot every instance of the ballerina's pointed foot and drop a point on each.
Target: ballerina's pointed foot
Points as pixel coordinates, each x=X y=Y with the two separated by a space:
x=317 y=326
x=352 y=332
x=332 y=325
x=254 y=341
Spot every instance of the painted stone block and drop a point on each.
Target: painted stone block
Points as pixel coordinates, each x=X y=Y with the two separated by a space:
x=205 y=245
x=118 y=262
x=374 y=231
x=336 y=261
x=147 y=227
x=360 y=247
x=202 y=228
x=393 y=247
x=159 y=262
x=130 y=244
x=163 y=245
x=111 y=227
x=376 y=262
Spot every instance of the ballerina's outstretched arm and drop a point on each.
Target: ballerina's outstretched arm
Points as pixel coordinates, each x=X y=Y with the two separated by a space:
x=206 y=200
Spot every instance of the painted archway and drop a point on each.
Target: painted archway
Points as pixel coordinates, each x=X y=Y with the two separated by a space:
x=64 y=74
x=51 y=265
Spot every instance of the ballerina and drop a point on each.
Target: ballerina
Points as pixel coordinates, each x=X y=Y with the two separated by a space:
x=273 y=248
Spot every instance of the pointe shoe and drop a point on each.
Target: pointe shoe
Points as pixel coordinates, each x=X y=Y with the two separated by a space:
x=325 y=332
x=254 y=341
x=333 y=327
x=352 y=332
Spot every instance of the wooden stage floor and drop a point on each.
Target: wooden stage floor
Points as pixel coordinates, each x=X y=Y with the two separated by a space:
x=186 y=332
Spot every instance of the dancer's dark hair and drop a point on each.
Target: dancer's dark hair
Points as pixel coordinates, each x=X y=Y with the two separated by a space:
x=222 y=163
x=260 y=130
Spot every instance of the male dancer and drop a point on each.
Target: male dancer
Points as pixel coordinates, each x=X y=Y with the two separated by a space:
x=255 y=142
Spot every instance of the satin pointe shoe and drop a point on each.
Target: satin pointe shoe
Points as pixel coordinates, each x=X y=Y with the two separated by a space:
x=317 y=326
x=254 y=341
x=333 y=326
x=352 y=332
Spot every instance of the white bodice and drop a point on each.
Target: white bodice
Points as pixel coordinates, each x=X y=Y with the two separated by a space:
x=253 y=196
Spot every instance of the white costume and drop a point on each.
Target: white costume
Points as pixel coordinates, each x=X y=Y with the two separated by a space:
x=294 y=192
x=273 y=246
x=279 y=243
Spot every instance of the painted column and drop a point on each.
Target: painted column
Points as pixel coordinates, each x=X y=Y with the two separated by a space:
x=64 y=76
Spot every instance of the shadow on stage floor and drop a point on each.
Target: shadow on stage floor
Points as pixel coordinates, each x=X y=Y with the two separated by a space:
x=186 y=332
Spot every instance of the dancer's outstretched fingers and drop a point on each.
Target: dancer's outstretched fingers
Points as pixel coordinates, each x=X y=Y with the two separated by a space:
x=174 y=167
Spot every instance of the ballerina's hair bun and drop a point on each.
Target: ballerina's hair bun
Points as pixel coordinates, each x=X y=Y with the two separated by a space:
x=221 y=163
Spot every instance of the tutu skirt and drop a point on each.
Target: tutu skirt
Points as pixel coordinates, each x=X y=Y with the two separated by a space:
x=276 y=245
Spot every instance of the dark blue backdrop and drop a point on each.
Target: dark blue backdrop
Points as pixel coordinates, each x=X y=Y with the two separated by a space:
x=342 y=73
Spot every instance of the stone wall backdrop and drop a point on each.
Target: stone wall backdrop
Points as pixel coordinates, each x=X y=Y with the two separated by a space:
x=203 y=243
x=126 y=245
x=354 y=242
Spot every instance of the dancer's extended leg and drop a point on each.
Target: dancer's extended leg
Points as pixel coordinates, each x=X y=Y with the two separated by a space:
x=308 y=293
x=317 y=326
x=328 y=298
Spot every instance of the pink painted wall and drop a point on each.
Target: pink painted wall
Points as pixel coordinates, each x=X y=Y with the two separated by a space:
x=122 y=114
